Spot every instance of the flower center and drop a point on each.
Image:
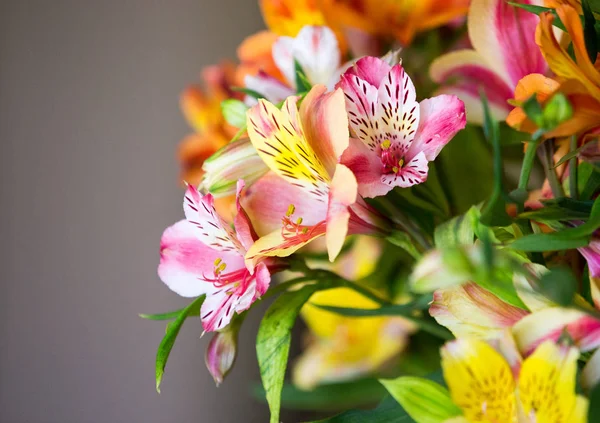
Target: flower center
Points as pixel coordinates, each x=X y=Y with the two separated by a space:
x=391 y=161
x=293 y=228
x=220 y=279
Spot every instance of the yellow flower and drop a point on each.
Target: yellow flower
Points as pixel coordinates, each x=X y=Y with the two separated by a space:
x=490 y=388
x=342 y=347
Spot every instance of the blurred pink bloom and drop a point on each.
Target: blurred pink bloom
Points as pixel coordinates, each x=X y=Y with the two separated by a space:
x=504 y=51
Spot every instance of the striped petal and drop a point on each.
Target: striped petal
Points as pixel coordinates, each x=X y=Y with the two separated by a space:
x=551 y=324
x=185 y=261
x=361 y=105
x=412 y=173
x=547 y=384
x=471 y=368
x=367 y=168
x=268 y=86
x=441 y=117
x=372 y=70
x=279 y=139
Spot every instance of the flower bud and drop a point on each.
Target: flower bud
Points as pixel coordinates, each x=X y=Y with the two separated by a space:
x=237 y=160
x=556 y=111
x=222 y=351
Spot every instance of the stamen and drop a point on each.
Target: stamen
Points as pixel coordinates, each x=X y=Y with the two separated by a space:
x=386 y=144
x=401 y=162
x=290 y=211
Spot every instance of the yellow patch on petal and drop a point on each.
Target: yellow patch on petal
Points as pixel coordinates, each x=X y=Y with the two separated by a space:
x=480 y=381
x=279 y=139
x=547 y=383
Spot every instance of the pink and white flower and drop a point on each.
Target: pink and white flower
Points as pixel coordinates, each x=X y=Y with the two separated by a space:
x=504 y=51
x=394 y=136
x=316 y=50
x=202 y=255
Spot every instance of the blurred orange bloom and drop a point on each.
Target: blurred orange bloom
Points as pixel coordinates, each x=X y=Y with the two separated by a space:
x=578 y=79
x=202 y=110
x=400 y=19
x=256 y=55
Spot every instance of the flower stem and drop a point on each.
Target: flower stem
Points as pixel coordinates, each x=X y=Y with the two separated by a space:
x=573 y=190
x=527 y=166
x=547 y=150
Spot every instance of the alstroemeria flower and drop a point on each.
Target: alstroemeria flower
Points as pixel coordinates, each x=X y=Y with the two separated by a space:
x=203 y=255
x=201 y=107
x=395 y=136
x=504 y=51
x=492 y=386
x=316 y=50
x=343 y=347
x=303 y=148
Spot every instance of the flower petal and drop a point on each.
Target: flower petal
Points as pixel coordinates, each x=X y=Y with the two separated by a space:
x=243 y=227
x=361 y=104
x=184 y=260
x=325 y=124
x=210 y=228
x=413 y=173
x=398 y=111
x=551 y=324
x=263 y=279
x=316 y=50
x=268 y=200
x=591 y=253
x=276 y=244
x=547 y=383
x=217 y=309
x=372 y=70
x=279 y=139
x=441 y=118
x=466 y=73
x=471 y=367
x=270 y=87
x=367 y=168
x=503 y=35
x=342 y=194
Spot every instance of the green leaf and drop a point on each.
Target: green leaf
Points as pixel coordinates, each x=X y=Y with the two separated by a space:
x=594 y=410
x=425 y=401
x=559 y=285
x=570 y=155
x=302 y=82
x=533 y=110
x=389 y=411
x=273 y=343
x=466 y=162
x=163 y=316
x=457 y=231
x=234 y=112
x=402 y=240
x=547 y=242
x=164 y=349
x=591 y=186
x=329 y=397
x=494 y=211
x=589 y=31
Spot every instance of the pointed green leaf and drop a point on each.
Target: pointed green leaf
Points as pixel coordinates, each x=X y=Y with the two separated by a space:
x=425 y=401
x=459 y=230
x=164 y=349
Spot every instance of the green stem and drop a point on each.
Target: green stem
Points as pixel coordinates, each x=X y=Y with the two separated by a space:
x=573 y=189
x=527 y=166
x=548 y=163
x=405 y=224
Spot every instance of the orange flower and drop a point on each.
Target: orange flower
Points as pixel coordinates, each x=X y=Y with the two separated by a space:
x=202 y=110
x=356 y=21
x=578 y=79
x=256 y=55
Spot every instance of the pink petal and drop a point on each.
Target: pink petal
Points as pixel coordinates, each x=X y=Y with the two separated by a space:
x=367 y=168
x=441 y=118
x=372 y=70
x=283 y=56
x=263 y=279
x=217 y=309
x=269 y=198
x=210 y=228
x=270 y=87
x=243 y=227
x=413 y=173
x=467 y=74
x=361 y=105
x=342 y=194
x=592 y=256
x=398 y=110
x=185 y=260
x=505 y=36
x=325 y=124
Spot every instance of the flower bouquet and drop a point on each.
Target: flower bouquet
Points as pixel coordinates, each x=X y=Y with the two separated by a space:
x=417 y=181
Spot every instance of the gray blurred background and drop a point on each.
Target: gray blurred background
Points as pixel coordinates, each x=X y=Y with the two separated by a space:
x=89 y=122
